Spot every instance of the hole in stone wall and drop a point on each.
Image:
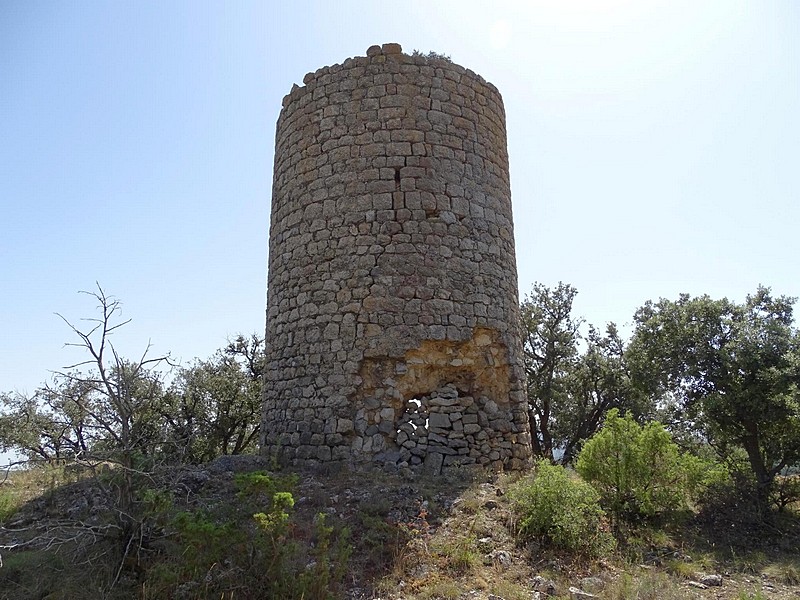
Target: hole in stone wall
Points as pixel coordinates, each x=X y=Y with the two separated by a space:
x=468 y=382
x=397 y=178
x=441 y=429
x=412 y=431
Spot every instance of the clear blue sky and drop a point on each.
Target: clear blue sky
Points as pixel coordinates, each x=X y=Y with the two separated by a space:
x=655 y=149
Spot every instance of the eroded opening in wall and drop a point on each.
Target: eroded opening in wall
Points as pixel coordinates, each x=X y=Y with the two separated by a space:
x=445 y=404
x=446 y=428
x=412 y=432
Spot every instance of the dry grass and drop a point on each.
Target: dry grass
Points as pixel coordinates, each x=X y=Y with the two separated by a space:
x=784 y=571
x=645 y=585
x=23 y=485
x=451 y=539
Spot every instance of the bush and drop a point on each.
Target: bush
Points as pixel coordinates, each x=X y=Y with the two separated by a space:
x=561 y=510
x=8 y=504
x=255 y=545
x=638 y=470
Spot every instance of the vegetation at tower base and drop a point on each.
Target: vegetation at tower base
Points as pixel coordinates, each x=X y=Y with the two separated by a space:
x=571 y=390
x=213 y=407
x=111 y=445
x=550 y=337
x=115 y=419
x=562 y=510
x=723 y=378
x=640 y=472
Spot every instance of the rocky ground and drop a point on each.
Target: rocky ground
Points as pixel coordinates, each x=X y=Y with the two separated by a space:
x=450 y=537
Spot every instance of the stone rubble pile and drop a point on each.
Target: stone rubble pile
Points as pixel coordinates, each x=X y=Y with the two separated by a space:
x=445 y=429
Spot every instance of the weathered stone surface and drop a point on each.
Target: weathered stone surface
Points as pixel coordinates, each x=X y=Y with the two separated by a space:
x=433 y=463
x=344 y=426
x=439 y=420
x=697 y=585
x=392 y=299
x=714 y=580
x=592 y=584
x=500 y=558
x=544 y=586
x=579 y=594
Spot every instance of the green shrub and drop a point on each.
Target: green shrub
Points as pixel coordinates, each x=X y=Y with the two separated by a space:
x=638 y=470
x=254 y=545
x=561 y=510
x=331 y=556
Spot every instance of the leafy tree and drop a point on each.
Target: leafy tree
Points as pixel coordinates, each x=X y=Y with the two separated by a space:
x=213 y=407
x=34 y=433
x=113 y=403
x=107 y=412
x=569 y=390
x=100 y=410
x=597 y=381
x=550 y=336
x=111 y=409
x=732 y=370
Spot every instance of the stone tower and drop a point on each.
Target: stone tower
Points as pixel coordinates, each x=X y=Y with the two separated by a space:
x=392 y=300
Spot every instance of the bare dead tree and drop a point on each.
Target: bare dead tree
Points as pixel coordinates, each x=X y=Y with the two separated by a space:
x=100 y=414
x=118 y=393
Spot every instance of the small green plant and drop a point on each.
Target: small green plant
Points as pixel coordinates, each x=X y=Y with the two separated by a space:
x=251 y=485
x=681 y=568
x=205 y=541
x=560 y=509
x=254 y=545
x=650 y=585
x=511 y=590
x=8 y=504
x=431 y=55
x=754 y=595
x=331 y=555
x=788 y=573
x=752 y=562
x=460 y=554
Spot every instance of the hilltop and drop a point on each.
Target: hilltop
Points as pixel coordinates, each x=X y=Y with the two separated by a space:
x=382 y=536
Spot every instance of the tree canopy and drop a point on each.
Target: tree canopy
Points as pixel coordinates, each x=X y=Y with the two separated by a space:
x=112 y=408
x=732 y=370
x=572 y=380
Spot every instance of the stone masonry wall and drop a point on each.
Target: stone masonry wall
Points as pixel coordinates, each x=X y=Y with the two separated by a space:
x=392 y=299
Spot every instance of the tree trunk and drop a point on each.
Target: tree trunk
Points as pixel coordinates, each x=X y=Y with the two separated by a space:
x=764 y=478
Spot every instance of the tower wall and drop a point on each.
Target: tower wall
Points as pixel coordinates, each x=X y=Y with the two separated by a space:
x=392 y=295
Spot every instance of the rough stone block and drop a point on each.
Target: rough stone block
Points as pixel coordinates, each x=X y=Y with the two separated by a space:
x=391 y=48
x=439 y=420
x=433 y=463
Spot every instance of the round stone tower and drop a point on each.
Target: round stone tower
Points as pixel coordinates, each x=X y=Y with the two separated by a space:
x=392 y=305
